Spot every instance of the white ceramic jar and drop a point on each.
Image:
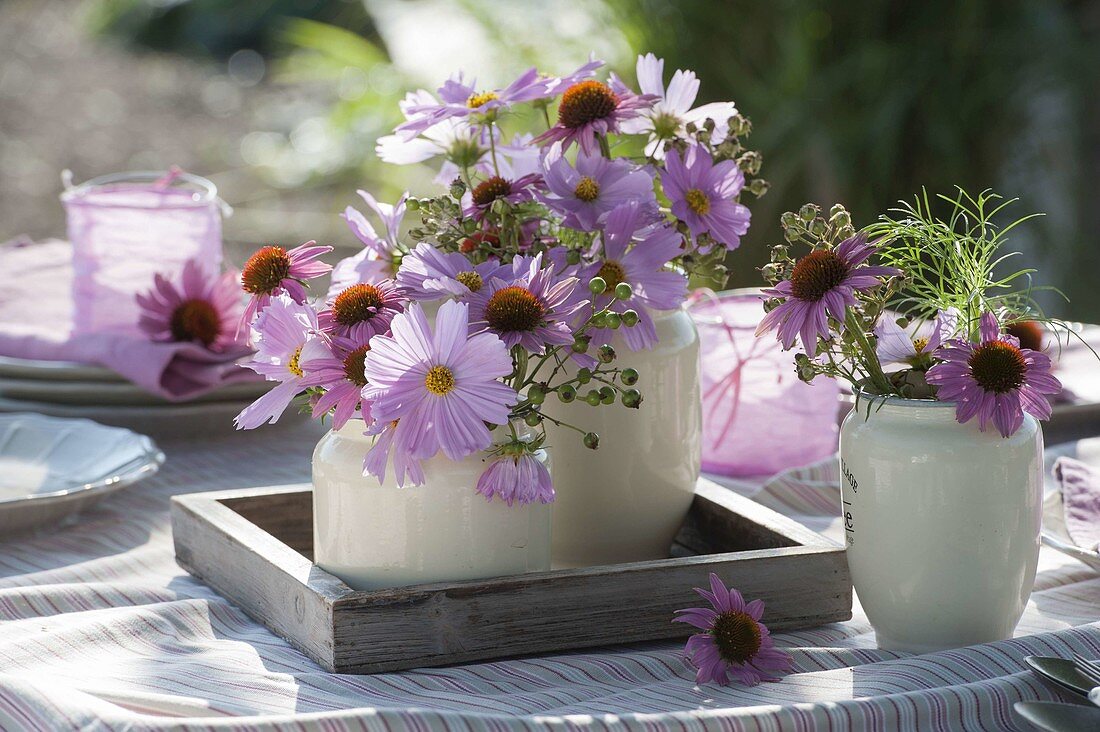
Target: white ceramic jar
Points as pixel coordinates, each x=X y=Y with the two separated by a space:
x=942 y=522
x=626 y=501
x=375 y=535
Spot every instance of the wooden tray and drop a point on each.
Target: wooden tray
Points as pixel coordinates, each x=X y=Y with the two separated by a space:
x=254 y=547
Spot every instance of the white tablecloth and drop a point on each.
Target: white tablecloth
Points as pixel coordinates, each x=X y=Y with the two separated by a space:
x=100 y=629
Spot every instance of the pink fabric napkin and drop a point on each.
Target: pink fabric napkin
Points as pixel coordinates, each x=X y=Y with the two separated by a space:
x=1080 y=486
x=36 y=312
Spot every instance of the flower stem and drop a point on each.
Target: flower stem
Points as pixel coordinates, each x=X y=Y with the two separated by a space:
x=870 y=358
x=605 y=147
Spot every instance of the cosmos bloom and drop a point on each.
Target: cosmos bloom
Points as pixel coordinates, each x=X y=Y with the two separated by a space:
x=375 y=262
x=514 y=160
x=273 y=271
x=702 y=194
x=519 y=478
x=285 y=334
x=407 y=470
x=441 y=387
x=454 y=138
x=671 y=113
x=822 y=284
x=339 y=371
x=203 y=309
x=994 y=379
x=591 y=109
x=895 y=346
x=584 y=194
x=428 y=273
x=734 y=643
x=362 y=310
x=636 y=252
x=530 y=306
x=499 y=188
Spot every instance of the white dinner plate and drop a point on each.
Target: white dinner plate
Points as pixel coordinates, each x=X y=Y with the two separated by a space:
x=121 y=393
x=51 y=468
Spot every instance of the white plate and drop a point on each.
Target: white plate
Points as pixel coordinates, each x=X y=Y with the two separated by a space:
x=29 y=368
x=1057 y=537
x=52 y=468
x=123 y=393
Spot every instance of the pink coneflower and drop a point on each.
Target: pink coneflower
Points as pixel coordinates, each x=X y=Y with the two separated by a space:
x=428 y=273
x=584 y=194
x=287 y=341
x=590 y=110
x=994 y=379
x=273 y=270
x=340 y=372
x=204 y=309
x=530 y=306
x=440 y=387
x=734 y=643
x=498 y=188
x=895 y=346
x=823 y=283
x=363 y=310
x=516 y=476
x=702 y=195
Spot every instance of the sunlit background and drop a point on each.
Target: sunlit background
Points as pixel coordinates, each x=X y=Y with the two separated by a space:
x=279 y=101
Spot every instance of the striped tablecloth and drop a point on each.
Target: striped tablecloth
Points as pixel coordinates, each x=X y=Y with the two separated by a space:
x=99 y=629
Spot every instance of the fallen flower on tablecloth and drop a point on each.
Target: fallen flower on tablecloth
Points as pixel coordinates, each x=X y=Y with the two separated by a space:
x=734 y=642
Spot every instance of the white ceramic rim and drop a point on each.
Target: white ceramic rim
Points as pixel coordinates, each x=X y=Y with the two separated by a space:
x=142 y=466
x=205 y=194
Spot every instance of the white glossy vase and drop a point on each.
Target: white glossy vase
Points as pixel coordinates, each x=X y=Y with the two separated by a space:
x=942 y=523
x=375 y=535
x=626 y=501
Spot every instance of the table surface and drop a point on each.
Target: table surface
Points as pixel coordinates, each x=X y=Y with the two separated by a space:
x=102 y=630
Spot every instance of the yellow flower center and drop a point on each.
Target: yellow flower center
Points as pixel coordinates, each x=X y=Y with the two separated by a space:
x=737 y=636
x=612 y=273
x=440 y=380
x=697 y=201
x=587 y=190
x=292 y=366
x=265 y=270
x=195 y=320
x=816 y=274
x=585 y=102
x=998 y=366
x=514 y=308
x=919 y=344
x=472 y=280
x=477 y=100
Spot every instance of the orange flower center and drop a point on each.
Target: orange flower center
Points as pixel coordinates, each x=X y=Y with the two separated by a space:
x=514 y=308
x=353 y=365
x=697 y=201
x=816 y=274
x=1029 y=332
x=265 y=270
x=490 y=190
x=612 y=273
x=587 y=190
x=737 y=636
x=998 y=366
x=585 y=102
x=357 y=304
x=440 y=380
x=195 y=320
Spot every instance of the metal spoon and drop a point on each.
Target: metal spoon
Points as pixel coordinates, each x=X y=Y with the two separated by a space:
x=1062 y=672
x=1055 y=717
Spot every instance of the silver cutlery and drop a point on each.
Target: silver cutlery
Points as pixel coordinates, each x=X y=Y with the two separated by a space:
x=1055 y=717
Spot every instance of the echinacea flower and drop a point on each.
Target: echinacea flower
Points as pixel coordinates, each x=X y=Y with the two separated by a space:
x=702 y=194
x=499 y=188
x=896 y=346
x=273 y=270
x=516 y=476
x=671 y=113
x=585 y=193
x=734 y=643
x=529 y=306
x=441 y=387
x=822 y=284
x=637 y=252
x=590 y=110
x=994 y=379
x=428 y=273
x=1029 y=332
x=362 y=310
x=285 y=334
x=339 y=371
x=203 y=309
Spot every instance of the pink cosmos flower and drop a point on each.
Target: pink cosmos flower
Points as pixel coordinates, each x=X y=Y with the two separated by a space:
x=407 y=470
x=637 y=252
x=994 y=379
x=440 y=387
x=585 y=193
x=374 y=262
x=823 y=284
x=530 y=306
x=518 y=479
x=285 y=334
x=203 y=309
x=702 y=195
x=339 y=371
x=734 y=643
x=454 y=138
x=895 y=346
x=362 y=310
x=428 y=273
x=670 y=114
x=591 y=109
x=273 y=270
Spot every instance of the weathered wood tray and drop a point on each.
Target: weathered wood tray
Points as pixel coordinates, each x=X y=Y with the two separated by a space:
x=255 y=546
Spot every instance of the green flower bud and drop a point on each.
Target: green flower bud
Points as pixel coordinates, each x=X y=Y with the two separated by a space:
x=592 y=397
x=566 y=393
x=629 y=376
x=591 y=440
x=580 y=344
x=536 y=394
x=807 y=212
x=599 y=320
x=819 y=227
x=584 y=375
x=458 y=188
x=614 y=320
x=606 y=354
x=534 y=419
x=630 y=318
x=788 y=219
x=624 y=291
x=632 y=398
x=607 y=395
x=758 y=187
x=573 y=256
x=597 y=285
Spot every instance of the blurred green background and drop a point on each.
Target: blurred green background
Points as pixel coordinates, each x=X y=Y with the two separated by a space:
x=279 y=101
